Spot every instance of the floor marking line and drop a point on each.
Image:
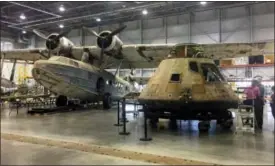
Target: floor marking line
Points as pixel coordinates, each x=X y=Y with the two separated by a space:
x=146 y=157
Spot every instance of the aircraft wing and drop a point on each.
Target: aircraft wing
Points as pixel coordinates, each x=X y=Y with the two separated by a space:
x=137 y=56
x=146 y=55
x=232 y=50
x=32 y=54
x=150 y=55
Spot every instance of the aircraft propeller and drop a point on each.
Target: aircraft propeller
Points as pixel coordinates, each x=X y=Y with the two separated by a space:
x=104 y=39
x=51 y=41
x=113 y=33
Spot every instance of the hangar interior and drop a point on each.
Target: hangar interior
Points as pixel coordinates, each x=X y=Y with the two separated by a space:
x=78 y=135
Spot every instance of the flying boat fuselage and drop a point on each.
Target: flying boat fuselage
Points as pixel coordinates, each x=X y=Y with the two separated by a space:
x=76 y=79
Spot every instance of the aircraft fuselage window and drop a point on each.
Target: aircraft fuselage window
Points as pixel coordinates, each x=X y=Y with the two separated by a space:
x=193 y=66
x=211 y=73
x=73 y=63
x=175 y=78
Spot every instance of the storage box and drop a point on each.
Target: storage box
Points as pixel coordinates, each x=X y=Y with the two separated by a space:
x=269 y=59
x=226 y=62
x=241 y=61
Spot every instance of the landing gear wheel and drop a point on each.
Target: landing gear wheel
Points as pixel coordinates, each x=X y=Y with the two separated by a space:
x=107 y=101
x=227 y=124
x=204 y=126
x=61 y=101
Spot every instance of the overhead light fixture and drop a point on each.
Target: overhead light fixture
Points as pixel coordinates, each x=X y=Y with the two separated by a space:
x=203 y=3
x=24 y=32
x=61 y=26
x=98 y=19
x=144 y=12
x=22 y=17
x=61 y=8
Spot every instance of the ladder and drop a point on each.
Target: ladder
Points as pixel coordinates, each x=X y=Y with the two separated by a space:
x=245 y=118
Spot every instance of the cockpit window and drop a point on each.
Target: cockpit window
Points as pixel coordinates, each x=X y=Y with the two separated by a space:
x=211 y=73
x=54 y=58
x=193 y=66
x=175 y=77
x=73 y=63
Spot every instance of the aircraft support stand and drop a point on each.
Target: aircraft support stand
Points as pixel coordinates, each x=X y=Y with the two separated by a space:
x=124 y=117
x=146 y=138
x=118 y=112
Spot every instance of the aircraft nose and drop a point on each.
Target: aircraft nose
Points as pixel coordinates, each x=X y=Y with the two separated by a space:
x=38 y=67
x=40 y=64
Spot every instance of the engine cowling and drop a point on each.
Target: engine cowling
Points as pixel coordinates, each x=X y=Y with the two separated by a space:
x=112 y=46
x=59 y=46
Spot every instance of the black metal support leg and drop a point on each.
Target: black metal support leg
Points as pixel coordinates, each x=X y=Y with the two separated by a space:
x=146 y=138
x=135 y=110
x=124 y=117
x=118 y=112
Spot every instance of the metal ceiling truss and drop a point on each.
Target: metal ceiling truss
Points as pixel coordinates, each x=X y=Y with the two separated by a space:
x=45 y=15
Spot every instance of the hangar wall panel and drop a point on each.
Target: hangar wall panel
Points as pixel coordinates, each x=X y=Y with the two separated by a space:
x=130 y=36
x=258 y=8
x=263 y=34
x=73 y=33
x=179 y=39
x=204 y=39
x=177 y=30
x=40 y=43
x=205 y=27
x=76 y=40
x=265 y=72
x=19 y=71
x=202 y=16
x=237 y=36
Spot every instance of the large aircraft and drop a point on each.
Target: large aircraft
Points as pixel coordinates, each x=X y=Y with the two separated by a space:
x=78 y=72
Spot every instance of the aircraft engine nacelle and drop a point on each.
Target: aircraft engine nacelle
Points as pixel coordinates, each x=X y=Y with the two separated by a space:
x=60 y=45
x=112 y=46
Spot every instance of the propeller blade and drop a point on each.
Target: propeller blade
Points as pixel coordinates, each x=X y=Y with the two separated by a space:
x=117 y=31
x=92 y=32
x=62 y=34
x=40 y=34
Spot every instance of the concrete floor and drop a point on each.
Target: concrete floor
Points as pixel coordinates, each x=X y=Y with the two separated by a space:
x=96 y=127
x=18 y=153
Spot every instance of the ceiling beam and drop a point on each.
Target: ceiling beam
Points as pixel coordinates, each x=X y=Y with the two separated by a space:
x=39 y=10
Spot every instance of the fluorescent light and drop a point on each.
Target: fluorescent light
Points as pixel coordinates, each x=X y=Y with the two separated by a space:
x=61 y=8
x=203 y=3
x=98 y=19
x=61 y=26
x=22 y=16
x=24 y=32
x=144 y=12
